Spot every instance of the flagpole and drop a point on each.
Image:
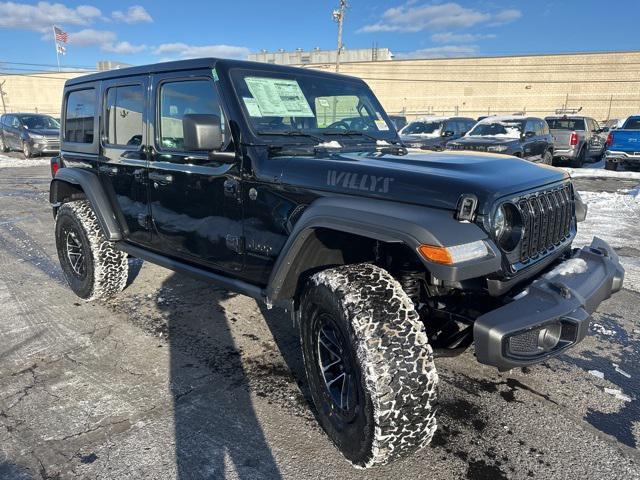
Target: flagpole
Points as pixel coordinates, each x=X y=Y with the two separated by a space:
x=55 y=42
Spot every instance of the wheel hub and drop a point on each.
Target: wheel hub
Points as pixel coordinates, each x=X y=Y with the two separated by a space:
x=336 y=367
x=75 y=253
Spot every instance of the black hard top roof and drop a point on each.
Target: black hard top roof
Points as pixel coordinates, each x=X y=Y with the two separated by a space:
x=191 y=64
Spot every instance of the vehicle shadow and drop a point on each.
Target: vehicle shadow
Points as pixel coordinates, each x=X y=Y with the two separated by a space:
x=217 y=432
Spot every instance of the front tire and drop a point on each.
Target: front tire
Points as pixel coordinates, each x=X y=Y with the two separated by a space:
x=27 y=150
x=547 y=158
x=3 y=146
x=369 y=365
x=92 y=265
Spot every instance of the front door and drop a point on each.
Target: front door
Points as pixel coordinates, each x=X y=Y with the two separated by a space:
x=123 y=163
x=195 y=200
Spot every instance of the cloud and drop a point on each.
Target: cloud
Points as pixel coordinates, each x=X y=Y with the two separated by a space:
x=135 y=14
x=444 y=51
x=183 y=50
x=506 y=16
x=90 y=37
x=411 y=17
x=449 y=37
x=41 y=16
x=105 y=39
x=123 y=48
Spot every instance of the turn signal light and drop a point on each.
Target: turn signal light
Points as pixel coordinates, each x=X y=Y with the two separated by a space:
x=436 y=254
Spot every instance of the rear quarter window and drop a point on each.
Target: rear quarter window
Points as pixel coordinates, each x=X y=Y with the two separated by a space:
x=80 y=115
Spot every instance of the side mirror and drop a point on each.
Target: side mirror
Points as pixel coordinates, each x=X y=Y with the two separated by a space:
x=202 y=132
x=447 y=133
x=604 y=129
x=529 y=134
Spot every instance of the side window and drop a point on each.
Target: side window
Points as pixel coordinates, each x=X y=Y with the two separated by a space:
x=79 y=116
x=530 y=126
x=539 y=127
x=180 y=98
x=596 y=125
x=123 y=117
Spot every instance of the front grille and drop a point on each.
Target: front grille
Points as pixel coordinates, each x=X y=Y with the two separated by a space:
x=546 y=218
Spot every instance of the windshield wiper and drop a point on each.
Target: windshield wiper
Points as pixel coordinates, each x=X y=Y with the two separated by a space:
x=351 y=133
x=291 y=133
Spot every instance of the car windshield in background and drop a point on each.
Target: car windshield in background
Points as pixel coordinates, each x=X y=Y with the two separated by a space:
x=565 y=123
x=423 y=128
x=36 y=122
x=632 y=124
x=498 y=129
x=278 y=103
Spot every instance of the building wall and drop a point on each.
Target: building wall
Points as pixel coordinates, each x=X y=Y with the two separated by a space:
x=305 y=57
x=40 y=92
x=605 y=85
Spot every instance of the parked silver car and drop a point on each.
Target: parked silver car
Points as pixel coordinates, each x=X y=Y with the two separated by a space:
x=576 y=139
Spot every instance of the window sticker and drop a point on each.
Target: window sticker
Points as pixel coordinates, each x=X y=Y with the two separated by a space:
x=278 y=97
x=381 y=125
x=252 y=106
x=214 y=74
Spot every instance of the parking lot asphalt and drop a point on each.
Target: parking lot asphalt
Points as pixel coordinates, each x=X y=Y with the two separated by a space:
x=176 y=378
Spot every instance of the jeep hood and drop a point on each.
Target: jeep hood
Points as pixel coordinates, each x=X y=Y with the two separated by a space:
x=434 y=179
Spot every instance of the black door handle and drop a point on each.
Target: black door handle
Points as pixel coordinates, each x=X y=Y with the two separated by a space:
x=161 y=177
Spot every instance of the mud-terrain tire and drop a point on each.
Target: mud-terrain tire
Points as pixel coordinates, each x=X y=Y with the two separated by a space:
x=3 y=145
x=578 y=161
x=93 y=267
x=610 y=165
x=386 y=359
x=547 y=158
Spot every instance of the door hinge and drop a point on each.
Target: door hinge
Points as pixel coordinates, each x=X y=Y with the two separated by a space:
x=235 y=243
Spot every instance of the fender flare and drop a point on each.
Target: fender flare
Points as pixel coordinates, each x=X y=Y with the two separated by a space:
x=389 y=222
x=90 y=184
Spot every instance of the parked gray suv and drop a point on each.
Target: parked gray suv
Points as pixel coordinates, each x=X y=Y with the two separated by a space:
x=576 y=139
x=31 y=133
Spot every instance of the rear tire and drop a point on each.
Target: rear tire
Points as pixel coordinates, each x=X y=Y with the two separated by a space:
x=610 y=165
x=578 y=161
x=93 y=267
x=377 y=403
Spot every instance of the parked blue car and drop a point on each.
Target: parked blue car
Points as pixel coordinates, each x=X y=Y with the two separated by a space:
x=623 y=145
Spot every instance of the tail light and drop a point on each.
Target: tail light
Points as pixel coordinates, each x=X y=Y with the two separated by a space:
x=609 y=139
x=56 y=164
x=573 y=141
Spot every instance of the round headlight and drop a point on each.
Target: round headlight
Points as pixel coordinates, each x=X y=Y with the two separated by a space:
x=507 y=227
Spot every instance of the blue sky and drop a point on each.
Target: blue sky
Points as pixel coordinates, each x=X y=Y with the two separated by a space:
x=143 y=31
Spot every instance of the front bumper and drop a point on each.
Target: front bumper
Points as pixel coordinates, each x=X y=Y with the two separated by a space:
x=45 y=145
x=553 y=313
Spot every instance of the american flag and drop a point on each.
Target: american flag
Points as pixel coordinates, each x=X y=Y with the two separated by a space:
x=61 y=36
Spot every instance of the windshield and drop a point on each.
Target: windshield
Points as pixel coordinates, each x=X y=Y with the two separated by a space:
x=308 y=104
x=507 y=129
x=565 y=123
x=35 y=122
x=423 y=128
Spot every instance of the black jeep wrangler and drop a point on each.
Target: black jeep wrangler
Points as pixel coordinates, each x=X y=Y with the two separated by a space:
x=292 y=186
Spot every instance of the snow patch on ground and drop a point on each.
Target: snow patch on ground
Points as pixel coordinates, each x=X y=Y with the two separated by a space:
x=596 y=373
x=614 y=218
x=618 y=394
x=11 y=162
x=600 y=173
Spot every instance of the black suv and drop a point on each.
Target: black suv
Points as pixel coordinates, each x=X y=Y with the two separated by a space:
x=243 y=174
x=433 y=133
x=524 y=137
x=31 y=133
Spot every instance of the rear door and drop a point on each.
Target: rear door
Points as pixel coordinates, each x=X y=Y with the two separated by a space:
x=531 y=144
x=12 y=132
x=195 y=200
x=123 y=163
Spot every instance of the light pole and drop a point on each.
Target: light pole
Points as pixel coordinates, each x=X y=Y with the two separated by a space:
x=338 y=16
x=2 y=94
